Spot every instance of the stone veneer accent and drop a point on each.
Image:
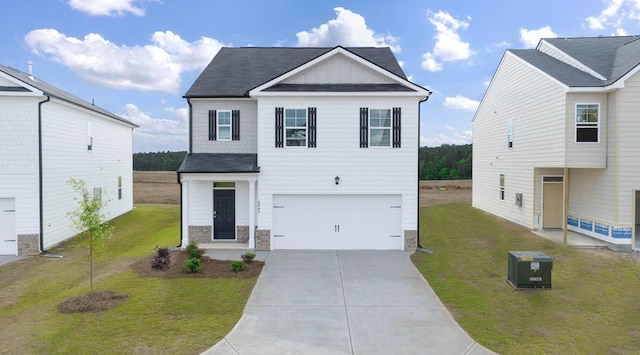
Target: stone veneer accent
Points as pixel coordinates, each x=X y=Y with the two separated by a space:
x=263 y=239
x=28 y=244
x=242 y=234
x=410 y=240
x=200 y=234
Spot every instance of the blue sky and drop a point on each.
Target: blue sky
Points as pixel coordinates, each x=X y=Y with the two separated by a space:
x=136 y=58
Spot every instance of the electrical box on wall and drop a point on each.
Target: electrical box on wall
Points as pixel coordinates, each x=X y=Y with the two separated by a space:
x=519 y=199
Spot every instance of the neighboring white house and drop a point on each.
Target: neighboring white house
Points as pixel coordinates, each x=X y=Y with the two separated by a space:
x=556 y=138
x=303 y=148
x=48 y=136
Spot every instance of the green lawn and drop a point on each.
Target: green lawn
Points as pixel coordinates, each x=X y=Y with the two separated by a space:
x=161 y=316
x=593 y=307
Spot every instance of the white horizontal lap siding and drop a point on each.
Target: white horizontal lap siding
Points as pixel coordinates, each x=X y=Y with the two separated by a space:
x=586 y=155
x=200 y=203
x=200 y=129
x=19 y=159
x=370 y=170
x=536 y=104
x=338 y=70
x=65 y=156
x=629 y=146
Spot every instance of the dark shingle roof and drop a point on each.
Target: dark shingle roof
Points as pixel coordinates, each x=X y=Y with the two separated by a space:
x=611 y=57
x=219 y=163
x=53 y=91
x=338 y=87
x=233 y=72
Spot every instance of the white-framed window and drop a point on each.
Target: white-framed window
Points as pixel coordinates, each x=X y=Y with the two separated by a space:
x=119 y=187
x=380 y=128
x=587 y=123
x=295 y=127
x=510 y=134
x=223 y=129
x=501 y=187
x=89 y=135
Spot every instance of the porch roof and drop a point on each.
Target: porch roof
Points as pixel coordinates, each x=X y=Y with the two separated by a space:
x=219 y=163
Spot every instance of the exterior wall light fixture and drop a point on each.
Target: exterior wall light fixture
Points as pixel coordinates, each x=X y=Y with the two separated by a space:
x=337 y=179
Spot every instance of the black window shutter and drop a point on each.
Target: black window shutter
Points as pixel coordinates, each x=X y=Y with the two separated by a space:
x=396 y=127
x=312 y=127
x=212 y=125
x=279 y=127
x=235 y=125
x=364 y=127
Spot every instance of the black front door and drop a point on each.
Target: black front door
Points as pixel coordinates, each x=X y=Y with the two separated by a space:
x=224 y=214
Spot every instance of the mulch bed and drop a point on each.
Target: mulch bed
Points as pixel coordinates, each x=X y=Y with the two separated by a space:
x=96 y=302
x=210 y=268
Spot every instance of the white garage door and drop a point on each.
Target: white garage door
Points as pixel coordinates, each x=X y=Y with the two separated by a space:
x=337 y=222
x=8 y=240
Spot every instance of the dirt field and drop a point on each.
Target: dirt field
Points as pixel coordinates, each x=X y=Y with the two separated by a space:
x=162 y=187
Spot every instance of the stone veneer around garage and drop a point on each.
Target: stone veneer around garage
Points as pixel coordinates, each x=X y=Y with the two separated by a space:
x=410 y=240
x=28 y=244
x=263 y=239
x=200 y=234
x=242 y=234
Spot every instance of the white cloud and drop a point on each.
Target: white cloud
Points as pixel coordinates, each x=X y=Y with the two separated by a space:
x=620 y=32
x=530 y=38
x=152 y=67
x=461 y=103
x=449 y=47
x=108 y=7
x=498 y=46
x=347 y=29
x=486 y=82
x=614 y=14
x=158 y=134
x=453 y=137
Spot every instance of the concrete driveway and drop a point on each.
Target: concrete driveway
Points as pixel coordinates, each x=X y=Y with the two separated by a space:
x=344 y=302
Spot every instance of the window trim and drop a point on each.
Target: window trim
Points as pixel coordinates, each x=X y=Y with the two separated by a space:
x=119 y=187
x=510 y=134
x=586 y=124
x=389 y=128
x=89 y=135
x=306 y=129
x=218 y=125
x=502 y=184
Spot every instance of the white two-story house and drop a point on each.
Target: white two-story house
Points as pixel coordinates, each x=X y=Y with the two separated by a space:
x=555 y=138
x=48 y=136
x=302 y=148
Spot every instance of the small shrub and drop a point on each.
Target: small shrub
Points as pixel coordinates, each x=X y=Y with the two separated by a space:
x=248 y=257
x=193 y=265
x=161 y=260
x=193 y=251
x=237 y=266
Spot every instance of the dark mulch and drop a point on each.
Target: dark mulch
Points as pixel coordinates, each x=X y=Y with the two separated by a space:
x=210 y=268
x=96 y=302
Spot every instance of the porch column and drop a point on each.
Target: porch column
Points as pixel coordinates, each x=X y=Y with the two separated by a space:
x=184 y=223
x=252 y=213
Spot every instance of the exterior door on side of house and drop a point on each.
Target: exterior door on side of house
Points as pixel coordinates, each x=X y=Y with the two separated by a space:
x=224 y=214
x=552 y=208
x=8 y=239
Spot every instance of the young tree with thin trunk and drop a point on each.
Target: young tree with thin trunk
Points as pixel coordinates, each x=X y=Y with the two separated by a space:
x=89 y=221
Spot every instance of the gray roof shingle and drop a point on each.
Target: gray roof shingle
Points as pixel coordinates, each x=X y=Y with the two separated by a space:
x=233 y=72
x=611 y=57
x=219 y=163
x=51 y=90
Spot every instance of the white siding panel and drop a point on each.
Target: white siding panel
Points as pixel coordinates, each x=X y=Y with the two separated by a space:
x=65 y=156
x=338 y=153
x=338 y=69
x=200 y=135
x=586 y=155
x=628 y=147
x=200 y=203
x=19 y=159
x=537 y=109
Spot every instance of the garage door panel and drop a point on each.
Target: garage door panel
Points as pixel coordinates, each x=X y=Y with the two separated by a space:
x=8 y=239
x=337 y=222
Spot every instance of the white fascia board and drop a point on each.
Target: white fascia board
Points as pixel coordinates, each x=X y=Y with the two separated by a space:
x=338 y=50
x=20 y=83
x=196 y=99
x=619 y=84
x=343 y=93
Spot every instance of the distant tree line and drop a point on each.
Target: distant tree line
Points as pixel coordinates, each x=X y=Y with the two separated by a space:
x=447 y=162
x=158 y=161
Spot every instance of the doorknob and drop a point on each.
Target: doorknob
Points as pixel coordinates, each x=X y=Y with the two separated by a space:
x=214 y=214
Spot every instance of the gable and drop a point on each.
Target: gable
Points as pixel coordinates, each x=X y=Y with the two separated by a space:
x=338 y=69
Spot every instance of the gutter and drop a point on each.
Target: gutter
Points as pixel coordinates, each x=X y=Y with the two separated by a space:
x=40 y=184
x=418 y=162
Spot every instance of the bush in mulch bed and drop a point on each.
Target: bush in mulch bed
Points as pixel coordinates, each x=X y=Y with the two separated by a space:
x=96 y=302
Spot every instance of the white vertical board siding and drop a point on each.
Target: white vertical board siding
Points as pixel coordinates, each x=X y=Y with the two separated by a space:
x=338 y=70
x=536 y=104
x=19 y=159
x=586 y=155
x=65 y=156
x=200 y=132
x=628 y=138
x=301 y=170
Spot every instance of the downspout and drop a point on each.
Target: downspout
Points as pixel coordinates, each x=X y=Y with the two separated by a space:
x=190 y=127
x=418 y=202
x=181 y=216
x=40 y=185
x=179 y=180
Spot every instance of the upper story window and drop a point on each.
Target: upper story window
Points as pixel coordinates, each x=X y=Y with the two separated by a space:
x=510 y=134
x=380 y=128
x=119 y=187
x=295 y=127
x=587 y=123
x=89 y=135
x=224 y=126
x=501 y=187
